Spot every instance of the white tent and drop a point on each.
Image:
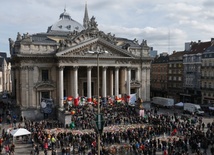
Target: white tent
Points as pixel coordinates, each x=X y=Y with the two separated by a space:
x=20 y=132
x=180 y=104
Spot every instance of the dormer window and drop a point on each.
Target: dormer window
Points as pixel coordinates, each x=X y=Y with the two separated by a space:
x=60 y=26
x=69 y=27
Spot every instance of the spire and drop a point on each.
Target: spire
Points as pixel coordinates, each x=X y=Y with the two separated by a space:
x=65 y=8
x=86 y=18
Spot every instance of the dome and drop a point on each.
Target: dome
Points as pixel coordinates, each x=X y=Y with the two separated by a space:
x=66 y=23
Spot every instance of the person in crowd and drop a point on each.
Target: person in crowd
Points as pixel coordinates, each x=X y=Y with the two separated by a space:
x=147 y=135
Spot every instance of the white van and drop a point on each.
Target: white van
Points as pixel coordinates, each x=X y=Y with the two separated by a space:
x=193 y=109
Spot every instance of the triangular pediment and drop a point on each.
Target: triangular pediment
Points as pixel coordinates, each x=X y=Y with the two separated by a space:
x=99 y=44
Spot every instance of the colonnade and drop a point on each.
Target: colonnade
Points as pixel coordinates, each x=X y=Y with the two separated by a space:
x=113 y=74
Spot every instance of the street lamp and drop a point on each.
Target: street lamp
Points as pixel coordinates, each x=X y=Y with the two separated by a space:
x=99 y=119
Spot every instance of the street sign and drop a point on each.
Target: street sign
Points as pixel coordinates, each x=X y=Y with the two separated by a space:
x=99 y=123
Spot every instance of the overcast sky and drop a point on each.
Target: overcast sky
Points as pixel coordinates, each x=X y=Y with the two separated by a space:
x=165 y=24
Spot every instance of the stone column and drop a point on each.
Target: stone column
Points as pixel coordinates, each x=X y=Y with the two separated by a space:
x=104 y=83
x=89 y=100
x=71 y=78
x=61 y=87
x=75 y=85
x=111 y=83
x=116 y=82
x=122 y=81
x=128 y=88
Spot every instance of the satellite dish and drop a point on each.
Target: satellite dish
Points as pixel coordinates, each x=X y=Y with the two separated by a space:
x=43 y=104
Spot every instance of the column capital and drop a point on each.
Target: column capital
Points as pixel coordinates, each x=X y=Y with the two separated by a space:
x=89 y=68
x=128 y=68
x=75 y=67
x=117 y=68
x=104 y=67
x=61 y=67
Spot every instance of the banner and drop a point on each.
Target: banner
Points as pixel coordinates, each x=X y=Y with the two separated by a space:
x=133 y=99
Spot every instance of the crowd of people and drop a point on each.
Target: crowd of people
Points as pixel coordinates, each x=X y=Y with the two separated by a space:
x=153 y=133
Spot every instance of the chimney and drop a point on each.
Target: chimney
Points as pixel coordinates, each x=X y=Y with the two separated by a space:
x=212 y=41
x=174 y=52
x=199 y=41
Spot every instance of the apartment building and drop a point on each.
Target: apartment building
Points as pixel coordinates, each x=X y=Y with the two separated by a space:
x=159 y=70
x=192 y=72
x=175 y=75
x=207 y=76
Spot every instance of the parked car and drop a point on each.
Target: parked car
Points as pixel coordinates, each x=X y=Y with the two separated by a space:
x=192 y=108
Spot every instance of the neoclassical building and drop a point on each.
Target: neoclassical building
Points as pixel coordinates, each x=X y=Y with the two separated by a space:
x=63 y=62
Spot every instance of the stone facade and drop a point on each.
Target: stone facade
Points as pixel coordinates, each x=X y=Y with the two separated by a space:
x=61 y=63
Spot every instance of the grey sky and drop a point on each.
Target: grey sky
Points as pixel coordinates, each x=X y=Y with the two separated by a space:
x=165 y=24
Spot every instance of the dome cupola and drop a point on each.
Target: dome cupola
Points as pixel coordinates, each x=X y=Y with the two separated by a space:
x=65 y=24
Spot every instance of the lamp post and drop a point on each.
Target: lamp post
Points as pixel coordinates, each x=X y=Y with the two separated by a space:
x=98 y=98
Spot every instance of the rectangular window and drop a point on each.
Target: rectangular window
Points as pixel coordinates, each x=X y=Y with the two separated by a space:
x=45 y=75
x=205 y=85
x=210 y=85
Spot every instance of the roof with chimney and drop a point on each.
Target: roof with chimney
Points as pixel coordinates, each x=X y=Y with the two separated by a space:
x=199 y=47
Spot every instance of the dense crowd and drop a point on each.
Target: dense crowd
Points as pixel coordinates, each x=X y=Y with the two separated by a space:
x=155 y=132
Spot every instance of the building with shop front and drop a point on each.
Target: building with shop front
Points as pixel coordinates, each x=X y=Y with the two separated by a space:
x=63 y=62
